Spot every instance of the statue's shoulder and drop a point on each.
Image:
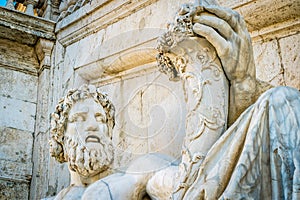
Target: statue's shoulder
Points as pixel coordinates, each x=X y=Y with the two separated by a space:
x=69 y=193
x=280 y=93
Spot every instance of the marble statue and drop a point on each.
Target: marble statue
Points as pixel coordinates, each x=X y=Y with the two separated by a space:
x=257 y=157
x=242 y=138
x=81 y=133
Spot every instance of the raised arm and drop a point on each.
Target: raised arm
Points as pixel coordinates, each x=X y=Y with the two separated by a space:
x=226 y=30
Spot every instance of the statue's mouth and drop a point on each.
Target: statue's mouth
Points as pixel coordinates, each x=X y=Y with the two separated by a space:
x=92 y=138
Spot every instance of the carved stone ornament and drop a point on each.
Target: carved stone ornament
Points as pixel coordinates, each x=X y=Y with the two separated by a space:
x=67 y=7
x=177 y=32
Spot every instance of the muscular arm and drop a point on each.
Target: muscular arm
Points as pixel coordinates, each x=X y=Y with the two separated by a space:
x=226 y=30
x=116 y=186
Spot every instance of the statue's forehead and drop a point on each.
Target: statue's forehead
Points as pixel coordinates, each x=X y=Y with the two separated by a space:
x=86 y=105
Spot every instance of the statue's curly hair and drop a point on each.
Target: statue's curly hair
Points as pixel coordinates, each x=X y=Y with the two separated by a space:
x=59 y=117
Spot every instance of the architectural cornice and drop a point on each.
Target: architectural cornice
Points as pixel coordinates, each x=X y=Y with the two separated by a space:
x=94 y=17
x=23 y=28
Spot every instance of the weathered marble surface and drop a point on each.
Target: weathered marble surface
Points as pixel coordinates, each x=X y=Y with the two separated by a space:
x=183 y=56
x=258 y=156
x=20 y=105
x=17 y=119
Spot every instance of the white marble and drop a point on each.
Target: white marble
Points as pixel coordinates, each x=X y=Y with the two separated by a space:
x=81 y=129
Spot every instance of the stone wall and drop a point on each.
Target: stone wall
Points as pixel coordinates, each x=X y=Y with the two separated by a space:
x=25 y=48
x=18 y=100
x=277 y=60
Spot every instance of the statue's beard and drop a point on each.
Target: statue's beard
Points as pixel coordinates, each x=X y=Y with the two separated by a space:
x=88 y=162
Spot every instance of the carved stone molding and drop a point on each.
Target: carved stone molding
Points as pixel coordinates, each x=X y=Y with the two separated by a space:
x=98 y=15
x=122 y=55
x=94 y=17
x=68 y=7
x=22 y=33
x=43 y=50
x=23 y=28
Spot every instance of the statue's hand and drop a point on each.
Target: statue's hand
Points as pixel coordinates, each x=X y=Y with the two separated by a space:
x=226 y=30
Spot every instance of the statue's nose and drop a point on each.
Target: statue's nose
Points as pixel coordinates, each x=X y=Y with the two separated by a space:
x=92 y=124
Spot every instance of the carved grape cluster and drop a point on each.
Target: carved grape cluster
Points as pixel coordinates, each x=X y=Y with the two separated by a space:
x=178 y=31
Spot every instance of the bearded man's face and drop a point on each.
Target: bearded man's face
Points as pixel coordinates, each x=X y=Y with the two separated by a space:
x=87 y=145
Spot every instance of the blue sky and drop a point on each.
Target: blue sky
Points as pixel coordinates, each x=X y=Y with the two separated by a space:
x=2 y=2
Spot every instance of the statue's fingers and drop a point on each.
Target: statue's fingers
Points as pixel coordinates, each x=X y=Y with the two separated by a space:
x=220 y=44
x=232 y=17
x=217 y=23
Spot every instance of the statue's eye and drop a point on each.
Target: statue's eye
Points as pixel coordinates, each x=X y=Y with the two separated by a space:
x=80 y=118
x=77 y=117
x=100 y=118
